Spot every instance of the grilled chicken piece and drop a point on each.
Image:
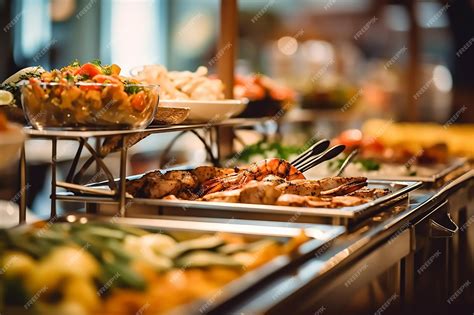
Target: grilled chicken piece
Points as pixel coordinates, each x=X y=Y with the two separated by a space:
x=135 y=187
x=291 y=200
x=204 y=173
x=370 y=193
x=345 y=188
x=170 y=197
x=347 y=201
x=232 y=196
x=325 y=186
x=186 y=178
x=187 y=194
x=319 y=202
x=260 y=193
x=161 y=187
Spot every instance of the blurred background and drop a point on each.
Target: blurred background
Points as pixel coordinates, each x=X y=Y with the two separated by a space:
x=317 y=46
x=348 y=60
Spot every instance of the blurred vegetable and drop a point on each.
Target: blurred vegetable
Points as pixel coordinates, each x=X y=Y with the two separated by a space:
x=101 y=267
x=264 y=149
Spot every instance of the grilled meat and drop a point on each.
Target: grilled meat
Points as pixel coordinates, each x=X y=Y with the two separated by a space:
x=319 y=202
x=186 y=178
x=135 y=187
x=204 y=173
x=232 y=196
x=255 y=185
x=259 y=193
x=325 y=186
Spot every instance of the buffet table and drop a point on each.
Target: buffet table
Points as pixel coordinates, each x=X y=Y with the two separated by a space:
x=402 y=258
x=383 y=259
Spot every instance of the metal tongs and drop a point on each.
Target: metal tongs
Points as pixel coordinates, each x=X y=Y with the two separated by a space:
x=347 y=161
x=317 y=154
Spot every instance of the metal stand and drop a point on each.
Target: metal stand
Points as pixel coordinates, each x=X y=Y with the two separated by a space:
x=98 y=153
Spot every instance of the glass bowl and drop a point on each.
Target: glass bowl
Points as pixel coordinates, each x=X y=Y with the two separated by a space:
x=89 y=106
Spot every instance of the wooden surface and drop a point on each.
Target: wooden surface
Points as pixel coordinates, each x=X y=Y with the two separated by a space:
x=225 y=57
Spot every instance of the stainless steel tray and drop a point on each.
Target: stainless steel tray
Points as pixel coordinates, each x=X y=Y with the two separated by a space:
x=454 y=168
x=321 y=238
x=341 y=216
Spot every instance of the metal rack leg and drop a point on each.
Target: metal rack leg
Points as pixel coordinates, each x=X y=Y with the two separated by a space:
x=23 y=195
x=53 y=177
x=123 y=173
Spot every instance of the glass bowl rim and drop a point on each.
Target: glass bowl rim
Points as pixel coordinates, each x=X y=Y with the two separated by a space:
x=41 y=83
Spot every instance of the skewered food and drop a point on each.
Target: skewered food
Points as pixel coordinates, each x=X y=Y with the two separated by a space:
x=100 y=268
x=270 y=182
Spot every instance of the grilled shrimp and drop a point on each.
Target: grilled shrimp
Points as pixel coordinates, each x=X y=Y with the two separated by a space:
x=256 y=171
x=278 y=167
x=330 y=186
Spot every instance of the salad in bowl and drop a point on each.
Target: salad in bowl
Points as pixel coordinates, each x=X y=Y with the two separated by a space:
x=88 y=96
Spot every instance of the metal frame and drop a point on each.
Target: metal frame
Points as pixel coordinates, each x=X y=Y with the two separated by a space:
x=82 y=138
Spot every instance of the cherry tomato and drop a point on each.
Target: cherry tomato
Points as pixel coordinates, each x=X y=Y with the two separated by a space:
x=101 y=78
x=373 y=145
x=350 y=138
x=89 y=70
x=138 y=101
x=87 y=87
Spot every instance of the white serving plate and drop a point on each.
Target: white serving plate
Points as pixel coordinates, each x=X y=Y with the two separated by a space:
x=11 y=141
x=209 y=111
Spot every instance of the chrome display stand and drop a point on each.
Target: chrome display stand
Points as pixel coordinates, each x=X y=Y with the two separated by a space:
x=74 y=176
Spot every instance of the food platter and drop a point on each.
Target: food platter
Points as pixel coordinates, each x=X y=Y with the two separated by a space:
x=318 y=237
x=343 y=215
x=399 y=191
x=208 y=111
x=431 y=177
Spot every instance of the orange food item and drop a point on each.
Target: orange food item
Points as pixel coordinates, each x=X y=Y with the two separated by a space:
x=138 y=101
x=88 y=69
x=3 y=122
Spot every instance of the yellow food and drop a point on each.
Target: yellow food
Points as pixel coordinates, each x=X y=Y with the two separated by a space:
x=416 y=136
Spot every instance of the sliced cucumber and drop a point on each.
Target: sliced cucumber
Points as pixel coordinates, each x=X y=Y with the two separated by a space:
x=206 y=259
x=105 y=232
x=230 y=249
x=121 y=275
x=206 y=242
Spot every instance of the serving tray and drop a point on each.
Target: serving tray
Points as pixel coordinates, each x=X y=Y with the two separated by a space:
x=321 y=238
x=441 y=173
